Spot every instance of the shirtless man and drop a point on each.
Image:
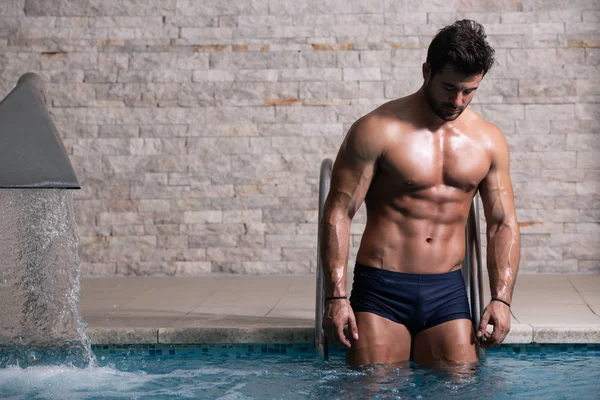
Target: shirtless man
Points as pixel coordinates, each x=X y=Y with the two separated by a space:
x=417 y=162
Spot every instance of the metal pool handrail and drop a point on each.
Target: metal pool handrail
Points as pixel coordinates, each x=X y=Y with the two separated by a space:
x=472 y=265
x=324 y=183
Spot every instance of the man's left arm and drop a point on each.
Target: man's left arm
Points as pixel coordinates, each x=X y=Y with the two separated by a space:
x=503 y=241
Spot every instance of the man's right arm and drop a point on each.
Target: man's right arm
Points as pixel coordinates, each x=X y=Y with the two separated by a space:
x=351 y=177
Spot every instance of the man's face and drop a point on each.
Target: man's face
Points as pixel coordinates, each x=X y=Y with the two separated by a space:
x=449 y=92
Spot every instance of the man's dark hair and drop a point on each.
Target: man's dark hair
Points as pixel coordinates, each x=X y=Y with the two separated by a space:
x=463 y=44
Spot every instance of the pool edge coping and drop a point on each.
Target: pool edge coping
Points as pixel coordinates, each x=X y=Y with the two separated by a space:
x=519 y=334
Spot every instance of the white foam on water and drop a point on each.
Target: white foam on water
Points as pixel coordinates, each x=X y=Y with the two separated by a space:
x=234 y=394
x=55 y=382
x=66 y=382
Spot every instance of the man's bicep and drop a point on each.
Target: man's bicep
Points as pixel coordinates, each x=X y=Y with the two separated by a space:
x=497 y=197
x=496 y=189
x=354 y=168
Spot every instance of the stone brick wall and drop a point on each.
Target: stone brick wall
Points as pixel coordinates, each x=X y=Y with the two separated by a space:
x=197 y=127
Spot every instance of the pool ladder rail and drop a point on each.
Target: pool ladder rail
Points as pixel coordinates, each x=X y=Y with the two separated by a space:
x=472 y=266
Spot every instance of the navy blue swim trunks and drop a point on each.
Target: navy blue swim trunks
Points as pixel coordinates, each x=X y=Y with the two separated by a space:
x=418 y=301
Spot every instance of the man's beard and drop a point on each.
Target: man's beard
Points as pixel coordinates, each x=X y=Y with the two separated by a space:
x=438 y=109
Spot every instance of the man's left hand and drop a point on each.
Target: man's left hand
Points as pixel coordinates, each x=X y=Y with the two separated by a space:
x=498 y=315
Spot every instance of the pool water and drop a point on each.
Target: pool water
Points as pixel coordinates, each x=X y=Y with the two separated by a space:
x=294 y=372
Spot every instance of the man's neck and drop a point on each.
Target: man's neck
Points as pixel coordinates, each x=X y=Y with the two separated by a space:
x=431 y=119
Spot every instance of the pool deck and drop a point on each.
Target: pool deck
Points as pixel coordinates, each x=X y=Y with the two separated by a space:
x=281 y=309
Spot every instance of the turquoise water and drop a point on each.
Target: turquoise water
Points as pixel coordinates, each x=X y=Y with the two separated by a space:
x=294 y=372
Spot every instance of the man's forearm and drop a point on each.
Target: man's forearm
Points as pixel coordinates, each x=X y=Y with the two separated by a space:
x=504 y=248
x=334 y=246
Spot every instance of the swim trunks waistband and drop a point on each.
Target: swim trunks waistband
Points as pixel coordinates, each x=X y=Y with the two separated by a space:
x=409 y=277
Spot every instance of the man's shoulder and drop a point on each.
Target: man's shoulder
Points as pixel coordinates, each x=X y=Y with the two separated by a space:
x=489 y=134
x=370 y=135
x=484 y=131
x=482 y=125
x=383 y=120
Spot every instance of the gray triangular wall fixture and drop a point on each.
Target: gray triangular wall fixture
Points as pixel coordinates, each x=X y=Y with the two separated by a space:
x=32 y=155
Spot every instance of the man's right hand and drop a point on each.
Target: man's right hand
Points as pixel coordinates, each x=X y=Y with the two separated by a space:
x=338 y=313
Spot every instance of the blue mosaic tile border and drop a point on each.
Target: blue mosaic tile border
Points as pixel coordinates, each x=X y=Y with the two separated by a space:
x=237 y=350
x=242 y=350
x=547 y=350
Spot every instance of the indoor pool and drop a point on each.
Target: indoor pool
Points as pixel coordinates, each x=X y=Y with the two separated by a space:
x=280 y=371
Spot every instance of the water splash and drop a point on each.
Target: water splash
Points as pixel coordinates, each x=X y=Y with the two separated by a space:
x=40 y=321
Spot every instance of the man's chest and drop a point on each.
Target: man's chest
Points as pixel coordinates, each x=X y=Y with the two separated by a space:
x=421 y=161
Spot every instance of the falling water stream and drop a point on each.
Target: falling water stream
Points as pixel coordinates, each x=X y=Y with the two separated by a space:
x=40 y=321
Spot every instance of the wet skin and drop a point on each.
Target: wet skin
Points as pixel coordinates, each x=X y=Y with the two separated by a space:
x=416 y=163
